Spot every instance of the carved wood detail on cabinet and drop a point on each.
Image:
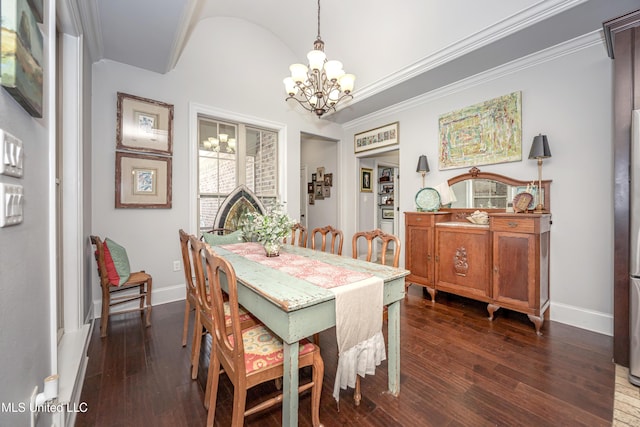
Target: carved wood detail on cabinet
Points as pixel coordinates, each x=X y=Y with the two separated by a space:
x=505 y=263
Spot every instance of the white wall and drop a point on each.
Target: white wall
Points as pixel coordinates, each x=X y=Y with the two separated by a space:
x=25 y=339
x=566 y=94
x=228 y=64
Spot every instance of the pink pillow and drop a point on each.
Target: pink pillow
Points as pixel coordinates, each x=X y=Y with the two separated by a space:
x=112 y=273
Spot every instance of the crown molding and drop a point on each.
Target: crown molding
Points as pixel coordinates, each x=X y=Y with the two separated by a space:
x=566 y=48
x=503 y=28
x=188 y=22
x=91 y=30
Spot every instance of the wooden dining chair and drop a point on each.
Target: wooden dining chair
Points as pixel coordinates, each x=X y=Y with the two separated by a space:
x=251 y=356
x=372 y=237
x=114 y=287
x=190 y=302
x=203 y=300
x=298 y=235
x=337 y=239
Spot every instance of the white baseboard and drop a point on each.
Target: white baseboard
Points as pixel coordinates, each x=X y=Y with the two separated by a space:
x=590 y=320
x=159 y=296
x=72 y=366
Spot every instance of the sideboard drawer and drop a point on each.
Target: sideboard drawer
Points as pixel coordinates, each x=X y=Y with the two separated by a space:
x=516 y=225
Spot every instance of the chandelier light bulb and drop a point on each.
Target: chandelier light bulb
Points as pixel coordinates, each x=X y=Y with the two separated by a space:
x=223 y=137
x=316 y=59
x=290 y=86
x=346 y=82
x=298 y=72
x=333 y=69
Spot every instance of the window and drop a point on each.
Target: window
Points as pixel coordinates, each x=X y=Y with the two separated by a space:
x=230 y=154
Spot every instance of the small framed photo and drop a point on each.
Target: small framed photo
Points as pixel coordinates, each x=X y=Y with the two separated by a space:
x=385 y=176
x=309 y=187
x=319 y=192
x=320 y=175
x=326 y=191
x=144 y=125
x=312 y=200
x=328 y=180
x=313 y=177
x=387 y=213
x=142 y=181
x=365 y=180
x=387 y=188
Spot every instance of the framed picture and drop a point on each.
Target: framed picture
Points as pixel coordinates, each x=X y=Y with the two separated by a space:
x=387 y=213
x=365 y=180
x=313 y=177
x=482 y=134
x=312 y=200
x=326 y=191
x=318 y=192
x=320 y=174
x=309 y=187
x=328 y=180
x=377 y=138
x=142 y=181
x=22 y=55
x=386 y=174
x=144 y=125
x=387 y=188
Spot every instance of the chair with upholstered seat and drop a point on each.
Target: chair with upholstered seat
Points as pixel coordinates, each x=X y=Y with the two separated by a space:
x=249 y=357
x=203 y=299
x=388 y=242
x=335 y=247
x=190 y=302
x=116 y=279
x=298 y=235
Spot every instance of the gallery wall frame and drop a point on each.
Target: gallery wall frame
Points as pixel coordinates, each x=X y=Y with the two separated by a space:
x=22 y=55
x=142 y=181
x=144 y=125
x=382 y=136
x=486 y=133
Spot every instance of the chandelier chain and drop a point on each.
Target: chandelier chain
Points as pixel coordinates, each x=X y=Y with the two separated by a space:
x=318 y=20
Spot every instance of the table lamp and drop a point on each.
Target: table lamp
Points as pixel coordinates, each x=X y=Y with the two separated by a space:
x=423 y=167
x=539 y=150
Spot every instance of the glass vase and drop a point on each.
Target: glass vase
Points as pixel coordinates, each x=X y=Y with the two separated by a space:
x=272 y=249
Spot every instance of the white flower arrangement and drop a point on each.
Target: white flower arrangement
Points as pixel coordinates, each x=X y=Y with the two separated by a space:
x=269 y=228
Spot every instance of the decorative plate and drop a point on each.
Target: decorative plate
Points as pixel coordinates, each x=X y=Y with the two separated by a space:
x=522 y=201
x=428 y=199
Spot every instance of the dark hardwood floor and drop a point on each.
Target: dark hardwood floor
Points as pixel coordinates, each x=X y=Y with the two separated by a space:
x=457 y=369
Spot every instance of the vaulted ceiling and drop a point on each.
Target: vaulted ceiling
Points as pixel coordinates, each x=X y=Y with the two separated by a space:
x=397 y=50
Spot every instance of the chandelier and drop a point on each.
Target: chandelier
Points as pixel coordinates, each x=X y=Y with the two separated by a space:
x=320 y=86
x=222 y=144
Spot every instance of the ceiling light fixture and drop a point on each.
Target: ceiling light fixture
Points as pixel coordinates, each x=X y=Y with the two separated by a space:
x=320 y=86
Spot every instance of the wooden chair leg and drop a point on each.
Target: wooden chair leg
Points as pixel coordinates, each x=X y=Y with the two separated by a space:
x=239 y=404
x=185 y=323
x=195 y=353
x=316 y=391
x=211 y=393
x=149 y=286
x=104 y=320
x=357 y=397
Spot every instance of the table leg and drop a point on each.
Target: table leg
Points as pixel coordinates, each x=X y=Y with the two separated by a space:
x=290 y=385
x=394 y=348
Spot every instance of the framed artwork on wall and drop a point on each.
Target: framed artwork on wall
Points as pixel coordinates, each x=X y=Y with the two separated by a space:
x=482 y=134
x=375 y=138
x=144 y=125
x=142 y=181
x=365 y=180
x=22 y=55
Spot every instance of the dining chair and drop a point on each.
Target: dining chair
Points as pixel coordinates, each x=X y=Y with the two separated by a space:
x=203 y=298
x=251 y=356
x=336 y=235
x=298 y=235
x=190 y=302
x=116 y=279
x=385 y=239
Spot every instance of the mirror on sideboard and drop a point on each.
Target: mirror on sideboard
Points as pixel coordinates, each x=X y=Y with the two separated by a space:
x=486 y=190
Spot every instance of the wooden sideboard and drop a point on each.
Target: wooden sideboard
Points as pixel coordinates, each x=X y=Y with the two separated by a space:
x=504 y=263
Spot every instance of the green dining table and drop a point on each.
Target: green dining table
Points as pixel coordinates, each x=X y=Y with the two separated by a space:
x=295 y=309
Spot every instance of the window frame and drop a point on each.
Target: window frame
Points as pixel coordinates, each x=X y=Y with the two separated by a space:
x=195 y=111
